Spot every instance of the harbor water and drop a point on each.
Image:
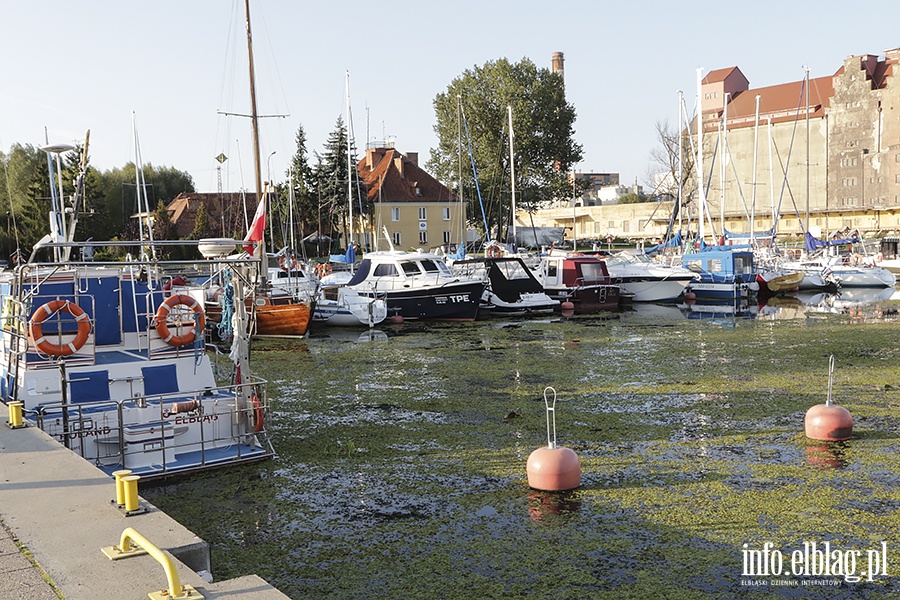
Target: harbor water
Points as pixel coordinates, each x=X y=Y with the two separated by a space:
x=401 y=455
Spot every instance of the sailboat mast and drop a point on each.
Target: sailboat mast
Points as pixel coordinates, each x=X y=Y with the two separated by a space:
x=349 y=164
x=254 y=117
x=806 y=93
x=512 y=176
x=755 y=153
x=701 y=194
x=725 y=159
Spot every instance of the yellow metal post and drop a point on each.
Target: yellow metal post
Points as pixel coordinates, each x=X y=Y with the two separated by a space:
x=120 y=486
x=15 y=414
x=132 y=501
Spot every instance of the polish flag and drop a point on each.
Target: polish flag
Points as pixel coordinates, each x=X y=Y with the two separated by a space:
x=255 y=234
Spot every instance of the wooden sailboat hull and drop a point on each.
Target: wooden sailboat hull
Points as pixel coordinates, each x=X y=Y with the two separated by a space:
x=283 y=319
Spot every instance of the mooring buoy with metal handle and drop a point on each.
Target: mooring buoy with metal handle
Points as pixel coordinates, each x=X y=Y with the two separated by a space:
x=828 y=421
x=553 y=468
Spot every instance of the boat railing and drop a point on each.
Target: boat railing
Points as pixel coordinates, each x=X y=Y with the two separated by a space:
x=104 y=422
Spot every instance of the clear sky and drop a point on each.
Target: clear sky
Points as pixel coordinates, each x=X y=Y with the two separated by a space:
x=174 y=64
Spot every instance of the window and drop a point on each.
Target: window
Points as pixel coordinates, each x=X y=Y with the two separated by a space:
x=385 y=269
x=422 y=213
x=446 y=237
x=446 y=213
x=396 y=237
x=395 y=214
x=423 y=237
x=410 y=267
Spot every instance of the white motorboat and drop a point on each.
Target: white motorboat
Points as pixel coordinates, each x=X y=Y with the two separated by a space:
x=339 y=305
x=417 y=286
x=511 y=287
x=645 y=279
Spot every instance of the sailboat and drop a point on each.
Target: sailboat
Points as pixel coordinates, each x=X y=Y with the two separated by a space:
x=511 y=288
x=336 y=304
x=277 y=311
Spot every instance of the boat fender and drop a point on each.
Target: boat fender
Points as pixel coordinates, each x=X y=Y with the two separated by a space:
x=163 y=328
x=36 y=333
x=256 y=414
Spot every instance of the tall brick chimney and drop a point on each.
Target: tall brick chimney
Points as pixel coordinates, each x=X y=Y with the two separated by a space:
x=556 y=62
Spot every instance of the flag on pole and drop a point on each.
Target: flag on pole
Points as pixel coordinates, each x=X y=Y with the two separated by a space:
x=255 y=234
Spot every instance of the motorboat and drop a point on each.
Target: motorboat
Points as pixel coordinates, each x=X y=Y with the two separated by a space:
x=110 y=360
x=722 y=274
x=647 y=280
x=581 y=279
x=342 y=306
x=511 y=287
x=417 y=286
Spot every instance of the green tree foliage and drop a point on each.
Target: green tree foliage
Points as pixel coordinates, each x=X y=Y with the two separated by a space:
x=109 y=197
x=543 y=126
x=24 y=198
x=632 y=198
x=203 y=227
x=301 y=177
x=330 y=175
x=163 y=229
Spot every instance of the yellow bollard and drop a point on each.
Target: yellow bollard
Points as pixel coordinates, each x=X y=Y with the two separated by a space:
x=15 y=414
x=132 y=502
x=120 y=486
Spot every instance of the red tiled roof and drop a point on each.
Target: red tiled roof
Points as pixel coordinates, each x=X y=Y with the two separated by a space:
x=183 y=209
x=718 y=75
x=780 y=103
x=392 y=177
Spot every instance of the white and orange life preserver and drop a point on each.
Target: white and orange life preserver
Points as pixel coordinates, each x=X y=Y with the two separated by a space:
x=323 y=269
x=288 y=263
x=163 y=313
x=36 y=333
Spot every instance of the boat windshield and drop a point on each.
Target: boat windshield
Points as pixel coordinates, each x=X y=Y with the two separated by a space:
x=513 y=269
x=592 y=271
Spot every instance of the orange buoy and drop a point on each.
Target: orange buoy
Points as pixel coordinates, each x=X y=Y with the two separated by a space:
x=396 y=319
x=567 y=308
x=690 y=296
x=828 y=421
x=553 y=468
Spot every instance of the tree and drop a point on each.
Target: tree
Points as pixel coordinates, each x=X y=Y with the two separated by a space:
x=631 y=198
x=302 y=178
x=472 y=116
x=203 y=227
x=116 y=200
x=331 y=178
x=675 y=149
x=25 y=198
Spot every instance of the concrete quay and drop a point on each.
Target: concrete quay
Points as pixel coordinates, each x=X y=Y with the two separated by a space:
x=56 y=513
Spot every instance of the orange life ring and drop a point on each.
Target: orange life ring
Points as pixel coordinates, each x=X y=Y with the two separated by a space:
x=288 y=263
x=256 y=414
x=163 y=313
x=36 y=333
x=323 y=269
